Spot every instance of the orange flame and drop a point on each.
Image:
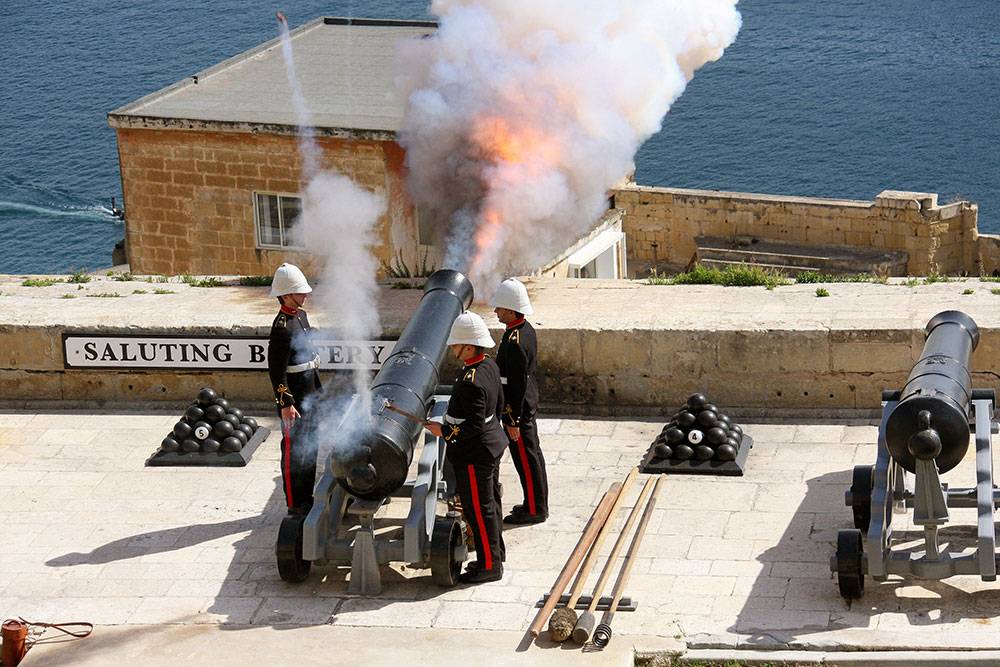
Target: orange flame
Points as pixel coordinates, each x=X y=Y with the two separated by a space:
x=500 y=143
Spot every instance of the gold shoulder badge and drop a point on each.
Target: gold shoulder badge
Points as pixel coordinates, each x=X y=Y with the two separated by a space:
x=282 y=320
x=515 y=336
x=470 y=376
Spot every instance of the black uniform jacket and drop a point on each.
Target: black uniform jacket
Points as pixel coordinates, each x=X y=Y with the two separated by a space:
x=290 y=344
x=516 y=358
x=473 y=417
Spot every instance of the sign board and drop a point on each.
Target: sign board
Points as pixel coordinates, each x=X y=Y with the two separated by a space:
x=209 y=353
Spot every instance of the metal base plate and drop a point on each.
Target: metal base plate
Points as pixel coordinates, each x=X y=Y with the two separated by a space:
x=215 y=459
x=652 y=464
x=625 y=604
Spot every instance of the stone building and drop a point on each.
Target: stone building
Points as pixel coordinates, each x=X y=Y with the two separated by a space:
x=211 y=167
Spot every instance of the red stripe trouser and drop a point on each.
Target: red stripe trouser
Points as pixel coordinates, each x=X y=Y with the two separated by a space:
x=475 y=478
x=530 y=465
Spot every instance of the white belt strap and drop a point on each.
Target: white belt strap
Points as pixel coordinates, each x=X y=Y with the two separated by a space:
x=448 y=419
x=301 y=368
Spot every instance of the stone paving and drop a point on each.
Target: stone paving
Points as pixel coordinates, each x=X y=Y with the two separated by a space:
x=91 y=534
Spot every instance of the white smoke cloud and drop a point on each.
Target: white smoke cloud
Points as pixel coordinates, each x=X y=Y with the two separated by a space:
x=337 y=224
x=521 y=115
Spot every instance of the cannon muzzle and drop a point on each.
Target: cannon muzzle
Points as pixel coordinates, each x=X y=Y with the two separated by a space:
x=931 y=420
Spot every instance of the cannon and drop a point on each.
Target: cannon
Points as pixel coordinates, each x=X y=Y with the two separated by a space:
x=372 y=451
x=924 y=432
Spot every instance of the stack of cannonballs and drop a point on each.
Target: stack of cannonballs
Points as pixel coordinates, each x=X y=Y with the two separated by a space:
x=699 y=432
x=210 y=424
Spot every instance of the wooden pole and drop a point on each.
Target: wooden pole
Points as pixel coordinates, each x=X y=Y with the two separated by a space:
x=603 y=635
x=585 y=624
x=597 y=520
x=588 y=564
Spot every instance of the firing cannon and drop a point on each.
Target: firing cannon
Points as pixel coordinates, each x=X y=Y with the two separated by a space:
x=924 y=433
x=372 y=451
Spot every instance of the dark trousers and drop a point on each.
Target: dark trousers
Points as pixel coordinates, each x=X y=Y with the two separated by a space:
x=475 y=477
x=298 y=465
x=530 y=465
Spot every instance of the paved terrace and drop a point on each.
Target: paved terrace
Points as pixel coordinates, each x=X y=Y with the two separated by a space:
x=177 y=564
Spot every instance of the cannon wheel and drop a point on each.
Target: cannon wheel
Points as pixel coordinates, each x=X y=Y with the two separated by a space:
x=445 y=541
x=850 y=564
x=288 y=551
x=861 y=496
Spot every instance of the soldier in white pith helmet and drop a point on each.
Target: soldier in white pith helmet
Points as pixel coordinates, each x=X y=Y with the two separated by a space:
x=293 y=364
x=475 y=443
x=517 y=359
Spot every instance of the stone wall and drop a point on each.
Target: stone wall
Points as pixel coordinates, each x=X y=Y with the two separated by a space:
x=189 y=196
x=938 y=238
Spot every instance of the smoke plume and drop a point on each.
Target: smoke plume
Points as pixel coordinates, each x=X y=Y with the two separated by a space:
x=337 y=225
x=521 y=115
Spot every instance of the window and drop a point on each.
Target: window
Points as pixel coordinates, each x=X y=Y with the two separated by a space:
x=276 y=217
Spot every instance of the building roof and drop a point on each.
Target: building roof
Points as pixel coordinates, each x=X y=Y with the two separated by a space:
x=345 y=68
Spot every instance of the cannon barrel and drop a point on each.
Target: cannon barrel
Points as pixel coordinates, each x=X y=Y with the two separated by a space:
x=374 y=447
x=931 y=420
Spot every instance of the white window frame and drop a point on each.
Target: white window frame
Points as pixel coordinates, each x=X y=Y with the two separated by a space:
x=281 y=221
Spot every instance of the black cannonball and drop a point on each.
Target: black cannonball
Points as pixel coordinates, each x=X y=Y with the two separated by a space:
x=716 y=436
x=247 y=431
x=241 y=436
x=695 y=436
x=251 y=422
x=674 y=436
x=222 y=403
x=170 y=444
x=190 y=445
x=707 y=418
x=712 y=407
x=703 y=452
x=736 y=430
x=201 y=430
x=696 y=402
x=214 y=413
x=193 y=414
x=232 y=444
x=182 y=430
x=725 y=453
x=232 y=419
x=206 y=397
x=683 y=452
x=222 y=430
x=732 y=442
x=663 y=451
x=725 y=420
x=686 y=419
x=210 y=445
x=237 y=412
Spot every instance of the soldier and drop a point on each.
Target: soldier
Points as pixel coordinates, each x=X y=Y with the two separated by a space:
x=292 y=363
x=475 y=443
x=516 y=358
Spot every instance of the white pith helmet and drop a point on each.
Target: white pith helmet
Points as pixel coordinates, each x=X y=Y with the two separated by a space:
x=289 y=279
x=469 y=329
x=513 y=295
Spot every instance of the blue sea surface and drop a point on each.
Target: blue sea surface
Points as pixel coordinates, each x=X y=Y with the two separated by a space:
x=835 y=99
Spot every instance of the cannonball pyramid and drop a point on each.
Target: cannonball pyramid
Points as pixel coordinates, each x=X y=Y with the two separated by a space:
x=699 y=439
x=211 y=432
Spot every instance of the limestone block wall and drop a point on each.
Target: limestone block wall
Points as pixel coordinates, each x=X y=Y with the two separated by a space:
x=189 y=196
x=622 y=372
x=581 y=371
x=938 y=238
